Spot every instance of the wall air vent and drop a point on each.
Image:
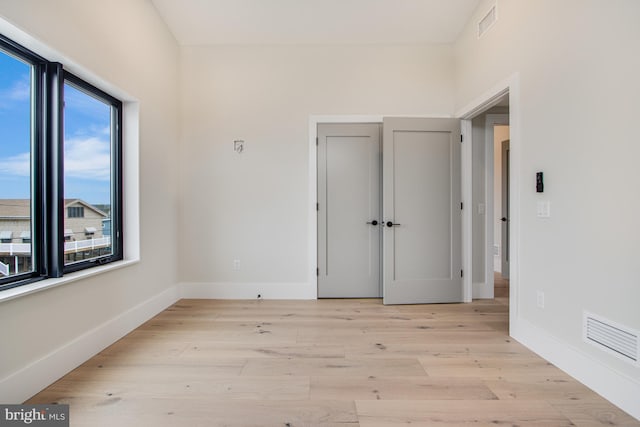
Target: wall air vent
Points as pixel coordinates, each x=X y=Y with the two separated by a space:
x=487 y=21
x=611 y=337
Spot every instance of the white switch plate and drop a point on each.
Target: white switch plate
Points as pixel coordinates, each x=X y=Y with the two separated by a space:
x=544 y=209
x=481 y=208
x=236 y=264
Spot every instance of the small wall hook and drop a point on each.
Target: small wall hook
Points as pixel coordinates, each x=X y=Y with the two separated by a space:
x=238 y=146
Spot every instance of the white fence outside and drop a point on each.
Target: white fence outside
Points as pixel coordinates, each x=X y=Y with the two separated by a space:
x=69 y=247
x=84 y=245
x=4 y=268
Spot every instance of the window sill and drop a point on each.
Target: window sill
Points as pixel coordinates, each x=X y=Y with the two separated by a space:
x=41 y=285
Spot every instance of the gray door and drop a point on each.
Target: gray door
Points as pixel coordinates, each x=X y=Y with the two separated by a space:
x=505 y=209
x=349 y=209
x=422 y=211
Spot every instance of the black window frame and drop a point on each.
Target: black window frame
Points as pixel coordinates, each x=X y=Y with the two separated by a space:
x=47 y=169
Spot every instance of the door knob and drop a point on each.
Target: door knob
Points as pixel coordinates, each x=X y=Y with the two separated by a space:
x=503 y=219
x=391 y=224
x=374 y=222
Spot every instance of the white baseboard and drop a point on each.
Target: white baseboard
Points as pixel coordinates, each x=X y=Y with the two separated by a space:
x=22 y=384
x=231 y=290
x=482 y=290
x=618 y=388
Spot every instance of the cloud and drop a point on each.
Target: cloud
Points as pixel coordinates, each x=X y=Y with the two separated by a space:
x=19 y=91
x=87 y=158
x=19 y=165
x=84 y=158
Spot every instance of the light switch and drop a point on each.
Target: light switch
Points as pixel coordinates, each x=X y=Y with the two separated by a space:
x=481 y=209
x=544 y=209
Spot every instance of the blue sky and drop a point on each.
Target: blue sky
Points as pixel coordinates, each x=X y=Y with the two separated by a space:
x=87 y=138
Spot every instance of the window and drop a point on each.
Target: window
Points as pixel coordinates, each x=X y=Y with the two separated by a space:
x=75 y=212
x=49 y=113
x=17 y=127
x=90 y=136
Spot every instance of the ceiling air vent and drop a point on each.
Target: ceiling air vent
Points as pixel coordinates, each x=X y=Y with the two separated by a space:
x=611 y=337
x=487 y=21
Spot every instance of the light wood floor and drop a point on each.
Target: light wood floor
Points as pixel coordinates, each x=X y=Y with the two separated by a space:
x=325 y=363
x=500 y=286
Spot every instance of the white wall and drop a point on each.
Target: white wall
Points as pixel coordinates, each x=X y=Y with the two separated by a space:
x=123 y=47
x=253 y=207
x=578 y=94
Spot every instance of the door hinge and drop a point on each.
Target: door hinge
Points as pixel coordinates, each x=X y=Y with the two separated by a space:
x=461 y=206
x=461 y=273
x=317 y=272
x=316 y=141
x=461 y=137
x=317 y=206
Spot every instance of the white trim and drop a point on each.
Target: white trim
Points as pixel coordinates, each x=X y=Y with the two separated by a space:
x=510 y=85
x=243 y=290
x=615 y=386
x=489 y=99
x=131 y=179
x=26 y=382
x=20 y=291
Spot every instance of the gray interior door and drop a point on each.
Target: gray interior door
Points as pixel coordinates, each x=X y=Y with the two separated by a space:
x=349 y=207
x=505 y=209
x=422 y=211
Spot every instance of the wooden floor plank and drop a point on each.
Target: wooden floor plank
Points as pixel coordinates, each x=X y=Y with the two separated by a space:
x=593 y=412
x=333 y=367
x=219 y=388
x=398 y=388
x=203 y=412
x=386 y=413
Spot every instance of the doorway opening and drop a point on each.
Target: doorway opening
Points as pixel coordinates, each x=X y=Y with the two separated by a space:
x=490 y=200
x=501 y=163
x=490 y=188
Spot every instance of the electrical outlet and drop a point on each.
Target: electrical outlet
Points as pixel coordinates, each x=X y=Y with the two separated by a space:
x=236 y=264
x=540 y=299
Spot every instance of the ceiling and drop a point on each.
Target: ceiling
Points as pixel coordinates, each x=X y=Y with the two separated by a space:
x=215 y=22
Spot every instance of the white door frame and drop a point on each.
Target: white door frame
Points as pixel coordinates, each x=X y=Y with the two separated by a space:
x=511 y=85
